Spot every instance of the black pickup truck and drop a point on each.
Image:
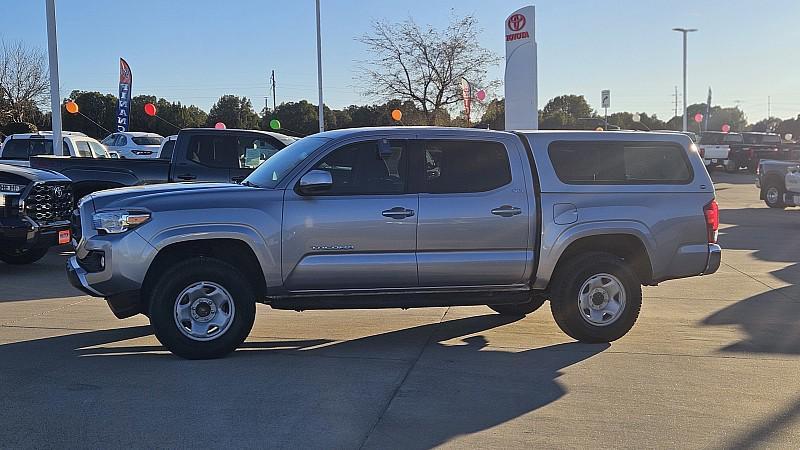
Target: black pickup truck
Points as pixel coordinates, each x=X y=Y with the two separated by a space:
x=35 y=212
x=200 y=154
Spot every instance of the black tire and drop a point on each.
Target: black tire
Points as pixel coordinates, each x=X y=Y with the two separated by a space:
x=520 y=309
x=778 y=202
x=166 y=289
x=19 y=256
x=564 y=297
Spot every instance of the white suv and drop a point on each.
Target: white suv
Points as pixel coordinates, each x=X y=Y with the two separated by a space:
x=134 y=144
x=20 y=147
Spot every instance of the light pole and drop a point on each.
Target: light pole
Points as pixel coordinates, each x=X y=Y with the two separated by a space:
x=55 y=94
x=319 y=74
x=685 y=32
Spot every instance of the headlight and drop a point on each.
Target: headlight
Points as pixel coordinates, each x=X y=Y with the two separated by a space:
x=114 y=222
x=11 y=188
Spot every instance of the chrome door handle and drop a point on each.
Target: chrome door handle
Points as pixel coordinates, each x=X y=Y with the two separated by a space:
x=506 y=211
x=398 y=212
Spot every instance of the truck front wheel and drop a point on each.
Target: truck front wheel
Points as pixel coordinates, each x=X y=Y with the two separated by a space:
x=596 y=297
x=202 y=308
x=20 y=256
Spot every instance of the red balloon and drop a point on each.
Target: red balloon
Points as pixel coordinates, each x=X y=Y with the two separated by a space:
x=150 y=109
x=726 y=128
x=219 y=126
x=698 y=117
x=481 y=95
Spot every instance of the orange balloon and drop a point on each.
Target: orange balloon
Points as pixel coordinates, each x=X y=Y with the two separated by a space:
x=397 y=114
x=72 y=107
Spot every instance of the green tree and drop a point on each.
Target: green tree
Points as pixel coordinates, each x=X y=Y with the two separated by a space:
x=565 y=112
x=100 y=108
x=770 y=124
x=625 y=121
x=495 y=115
x=234 y=112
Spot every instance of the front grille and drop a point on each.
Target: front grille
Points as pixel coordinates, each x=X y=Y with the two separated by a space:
x=75 y=225
x=48 y=203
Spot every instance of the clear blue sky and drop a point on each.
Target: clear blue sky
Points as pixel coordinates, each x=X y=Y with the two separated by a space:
x=197 y=50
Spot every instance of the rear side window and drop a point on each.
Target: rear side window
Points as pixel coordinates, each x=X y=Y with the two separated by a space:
x=214 y=151
x=83 y=149
x=464 y=166
x=605 y=162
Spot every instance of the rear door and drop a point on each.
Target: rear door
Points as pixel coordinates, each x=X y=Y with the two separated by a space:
x=473 y=213
x=361 y=234
x=208 y=157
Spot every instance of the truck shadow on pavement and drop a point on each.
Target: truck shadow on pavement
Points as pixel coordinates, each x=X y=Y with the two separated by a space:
x=278 y=393
x=770 y=319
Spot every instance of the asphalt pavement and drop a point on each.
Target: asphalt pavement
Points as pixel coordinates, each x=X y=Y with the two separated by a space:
x=713 y=362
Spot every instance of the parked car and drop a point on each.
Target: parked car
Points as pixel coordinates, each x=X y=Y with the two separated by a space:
x=35 y=211
x=777 y=181
x=402 y=217
x=19 y=148
x=715 y=147
x=167 y=147
x=201 y=154
x=134 y=144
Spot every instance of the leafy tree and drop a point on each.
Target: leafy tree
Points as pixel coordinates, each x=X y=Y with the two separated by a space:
x=564 y=113
x=234 y=112
x=790 y=126
x=495 y=115
x=425 y=65
x=100 y=108
x=625 y=121
x=770 y=124
x=19 y=127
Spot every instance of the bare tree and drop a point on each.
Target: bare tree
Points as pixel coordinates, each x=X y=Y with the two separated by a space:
x=425 y=65
x=24 y=80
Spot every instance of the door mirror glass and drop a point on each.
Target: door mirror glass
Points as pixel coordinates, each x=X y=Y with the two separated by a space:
x=788 y=136
x=315 y=181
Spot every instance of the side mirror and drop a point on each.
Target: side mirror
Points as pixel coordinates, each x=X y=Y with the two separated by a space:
x=315 y=182
x=788 y=136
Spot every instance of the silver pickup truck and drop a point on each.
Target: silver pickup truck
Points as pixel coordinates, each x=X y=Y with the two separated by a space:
x=405 y=217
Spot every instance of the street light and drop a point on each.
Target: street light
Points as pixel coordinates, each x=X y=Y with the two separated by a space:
x=685 y=31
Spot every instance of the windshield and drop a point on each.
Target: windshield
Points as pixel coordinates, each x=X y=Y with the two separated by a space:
x=274 y=169
x=147 y=140
x=733 y=139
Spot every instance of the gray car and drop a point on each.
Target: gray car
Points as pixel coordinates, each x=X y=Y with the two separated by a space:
x=407 y=217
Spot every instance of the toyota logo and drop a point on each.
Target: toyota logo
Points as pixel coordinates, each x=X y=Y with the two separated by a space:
x=516 y=22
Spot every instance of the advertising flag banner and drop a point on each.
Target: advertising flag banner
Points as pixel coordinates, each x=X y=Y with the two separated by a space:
x=522 y=112
x=124 y=109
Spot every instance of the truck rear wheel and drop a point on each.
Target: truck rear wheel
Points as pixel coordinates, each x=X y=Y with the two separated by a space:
x=202 y=308
x=596 y=297
x=520 y=309
x=773 y=195
x=20 y=256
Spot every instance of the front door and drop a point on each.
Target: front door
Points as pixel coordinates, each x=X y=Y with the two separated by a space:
x=473 y=214
x=361 y=234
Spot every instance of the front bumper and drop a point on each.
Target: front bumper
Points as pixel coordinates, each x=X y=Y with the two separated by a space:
x=714 y=259
x=22 y=233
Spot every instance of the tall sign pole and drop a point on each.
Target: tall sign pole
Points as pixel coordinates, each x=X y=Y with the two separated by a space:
x=685 y=32
x=55 y=96
x=521 y=89
x=319 y=74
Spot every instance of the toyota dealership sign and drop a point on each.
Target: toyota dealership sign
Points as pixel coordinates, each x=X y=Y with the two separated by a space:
x=521 y=77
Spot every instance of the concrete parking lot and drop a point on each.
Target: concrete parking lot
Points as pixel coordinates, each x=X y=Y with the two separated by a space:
x=712 y=363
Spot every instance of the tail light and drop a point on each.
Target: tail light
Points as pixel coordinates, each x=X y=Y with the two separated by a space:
x=711 y=211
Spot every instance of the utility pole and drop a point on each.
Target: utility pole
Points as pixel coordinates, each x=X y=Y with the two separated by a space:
x=685 y=32
x=274 y=101
x=55 y=93
x=769 y=107
x=319 y=74
x=676 y=102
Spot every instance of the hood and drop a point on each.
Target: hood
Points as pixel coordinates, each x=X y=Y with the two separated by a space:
x=172 y=196
x=15 y=174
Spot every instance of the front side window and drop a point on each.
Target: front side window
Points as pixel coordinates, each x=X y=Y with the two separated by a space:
x=276 y=168
x=366 y=168
x=109 y=140
x=167 y=149
x=121 y=141
x=464 y=166
x=98 y=149
x=608 y=162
